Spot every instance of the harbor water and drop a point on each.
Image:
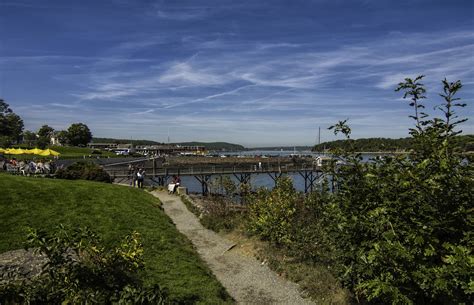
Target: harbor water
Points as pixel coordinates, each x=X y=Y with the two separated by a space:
x=263 y=179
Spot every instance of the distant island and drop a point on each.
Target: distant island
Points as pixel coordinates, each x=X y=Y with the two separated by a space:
x=124 y=141
x=221 y=146
x=464 y=143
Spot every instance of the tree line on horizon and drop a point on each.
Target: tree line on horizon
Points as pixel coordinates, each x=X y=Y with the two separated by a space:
x=208 y=145
x=12 y=132
x=462 y=143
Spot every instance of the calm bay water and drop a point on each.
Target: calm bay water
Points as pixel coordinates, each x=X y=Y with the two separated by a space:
x=258 y=180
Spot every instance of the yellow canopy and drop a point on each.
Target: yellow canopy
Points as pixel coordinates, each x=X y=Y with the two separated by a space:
x=35 y=151
x=14 y=151
x=49 y=152
x=2 y=150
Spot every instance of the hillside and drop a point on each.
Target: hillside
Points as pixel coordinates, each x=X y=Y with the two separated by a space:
x=222 y=146
x=462 y=143
x=124 y=141
x=112 y=211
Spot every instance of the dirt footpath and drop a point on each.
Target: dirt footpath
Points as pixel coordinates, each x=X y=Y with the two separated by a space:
x=245 y=278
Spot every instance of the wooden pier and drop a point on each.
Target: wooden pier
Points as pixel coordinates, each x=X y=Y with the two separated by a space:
x=159 y=174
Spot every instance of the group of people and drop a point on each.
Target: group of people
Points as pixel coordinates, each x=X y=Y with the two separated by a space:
x=175 y=183
x=137 y=176
x=27 y=167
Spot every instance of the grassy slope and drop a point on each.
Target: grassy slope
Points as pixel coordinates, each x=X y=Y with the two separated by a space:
x=79 y=152
x=112 y=211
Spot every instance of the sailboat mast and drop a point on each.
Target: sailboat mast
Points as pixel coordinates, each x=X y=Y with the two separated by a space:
x=319 y=135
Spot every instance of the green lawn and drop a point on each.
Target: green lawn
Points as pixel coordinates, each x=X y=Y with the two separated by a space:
x=112 y=211
x=79 y=152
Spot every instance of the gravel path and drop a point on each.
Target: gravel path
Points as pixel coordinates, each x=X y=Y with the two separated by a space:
x=245 y=278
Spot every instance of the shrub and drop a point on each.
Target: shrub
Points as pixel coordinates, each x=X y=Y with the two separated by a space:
x=311 y=239
x=218 y=215
x=404 y=229
x=271 y=213
x=80 y=270
x=398 y=229
x=85 y=171
x=218 y=210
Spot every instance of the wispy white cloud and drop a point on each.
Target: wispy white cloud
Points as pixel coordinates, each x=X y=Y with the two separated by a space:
x=255 y=88
x=184 y=74
x=209 y=97
x=391 y=80
x=303 y=68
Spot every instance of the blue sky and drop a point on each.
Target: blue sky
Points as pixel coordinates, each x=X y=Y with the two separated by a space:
x=256 y=73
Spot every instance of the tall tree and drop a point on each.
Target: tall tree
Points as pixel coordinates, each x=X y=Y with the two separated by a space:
x=79 y=134
x=45 y=131
x=44 y=135
x=62 y=137
x=29 y=138
x=11 y=125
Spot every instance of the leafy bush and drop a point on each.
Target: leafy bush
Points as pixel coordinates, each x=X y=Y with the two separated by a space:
x=85 y=171
x=271 y=213
x=398 y=229
x=223 y=186
x=218 y=211
x=404 y=224
x=300 y=224
x=80 y=270
x=215 y=213
x=218 y=215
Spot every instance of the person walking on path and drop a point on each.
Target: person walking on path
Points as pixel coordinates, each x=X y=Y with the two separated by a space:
x=140 y=177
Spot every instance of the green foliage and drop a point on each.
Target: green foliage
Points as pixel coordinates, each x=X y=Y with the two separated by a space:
x=124 y=141
x=223 y=185
x=190 y=205
x=79 y=134
x=11 y=125
x=81 y=270
x=112 y=211
x=85 y=171
x=71 y=152
x=396 y=230
x=45 y=131
x=287 y=218
x=63 y=137
x=462 y=143
x=219 y=211
x=218 y=215
x=404 y=224
x=369 y=145
x=29 y=138
x=271 y=213
x=44 y=136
